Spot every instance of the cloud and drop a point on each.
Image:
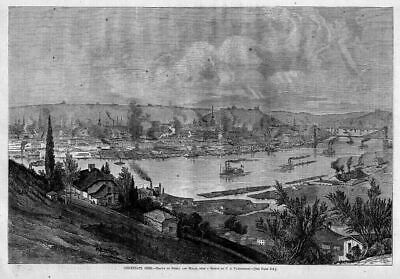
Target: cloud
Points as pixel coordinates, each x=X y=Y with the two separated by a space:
x=276 y=57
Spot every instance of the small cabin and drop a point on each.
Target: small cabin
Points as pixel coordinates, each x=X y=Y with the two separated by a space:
x=161 y=221
x=52 y=195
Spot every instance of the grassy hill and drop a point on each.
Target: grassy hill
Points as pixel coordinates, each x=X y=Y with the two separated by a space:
x=43 y=231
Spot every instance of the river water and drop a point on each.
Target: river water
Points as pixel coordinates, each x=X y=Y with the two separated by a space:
x=188 y=177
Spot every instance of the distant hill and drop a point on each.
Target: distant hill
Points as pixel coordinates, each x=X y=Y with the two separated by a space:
x=239 y=117
x=64 y=114
x=67 y=113
x=376 y=119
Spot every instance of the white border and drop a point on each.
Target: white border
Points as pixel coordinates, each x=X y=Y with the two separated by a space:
x=117 y=271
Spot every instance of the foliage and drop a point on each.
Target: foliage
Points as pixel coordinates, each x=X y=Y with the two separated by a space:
x=133 y=195
x=147 y=204
x=233 y=224
x=348 y=163
x=56 y=182
x=124 y=180
x=49 y=156
x=192 y=224
x=355 y=253
x=16 y=129
x=371 y=219
x=293 y=229
x=135 y=121
x=71 y=170
x=105 y=168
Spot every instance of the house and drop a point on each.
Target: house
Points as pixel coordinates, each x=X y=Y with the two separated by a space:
x=261 y=242
x=161 y=221
x=145 y=193
x=97 y=187
x=52 y=195
x=330 y=242
x=349 y=242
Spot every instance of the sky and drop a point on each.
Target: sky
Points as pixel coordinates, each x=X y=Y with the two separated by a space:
x=317 y=60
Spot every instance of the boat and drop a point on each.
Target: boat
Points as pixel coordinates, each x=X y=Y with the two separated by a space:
x=290 y=165
x=81 y=155
x=330 y=151
x=38 y=163
x=118 y=163
x=350 y=141
x=229 y=170
x=353 y=174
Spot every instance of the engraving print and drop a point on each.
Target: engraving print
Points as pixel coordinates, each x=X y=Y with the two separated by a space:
x=225 y=135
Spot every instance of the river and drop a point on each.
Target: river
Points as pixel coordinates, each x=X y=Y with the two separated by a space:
x=188 y=177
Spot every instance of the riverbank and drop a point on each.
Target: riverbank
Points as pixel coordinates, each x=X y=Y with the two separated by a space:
x=218 y=206
x=239 y=191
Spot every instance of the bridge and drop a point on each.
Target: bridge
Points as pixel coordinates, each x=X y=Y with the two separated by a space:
x=359 y=133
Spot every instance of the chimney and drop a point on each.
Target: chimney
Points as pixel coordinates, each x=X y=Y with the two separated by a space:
x=91 y=167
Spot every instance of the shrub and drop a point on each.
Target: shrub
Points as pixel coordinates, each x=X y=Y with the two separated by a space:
x=233 y=224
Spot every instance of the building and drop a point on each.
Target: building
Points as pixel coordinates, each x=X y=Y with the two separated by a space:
x=161 y=221
x=145 y=193
x=261 y=241
x=52 y=195
x=330 y=242
x=349 y=242
x=97 y=187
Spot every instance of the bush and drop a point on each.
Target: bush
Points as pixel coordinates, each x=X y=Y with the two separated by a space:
x=233 y=224
x=147 y=204
x=376 y=249
x=387 y=243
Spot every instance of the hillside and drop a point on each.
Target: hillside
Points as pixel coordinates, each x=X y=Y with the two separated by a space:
x=64 y=114
x=376 y=119
x=43 y=231
x=239 y=117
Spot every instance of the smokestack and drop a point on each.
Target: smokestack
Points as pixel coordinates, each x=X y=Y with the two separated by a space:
x=315 y=137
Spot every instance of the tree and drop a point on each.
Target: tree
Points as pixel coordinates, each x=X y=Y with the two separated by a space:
x=16 y=129
x=124 y=180
x=135 y=121
x=348 y=163
x=105 y=168
x=371 y=219
x=71 y=173
x=49 y=156
x=57 y=182
x=293 y=229
x=233 y=224
x=133 y=194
